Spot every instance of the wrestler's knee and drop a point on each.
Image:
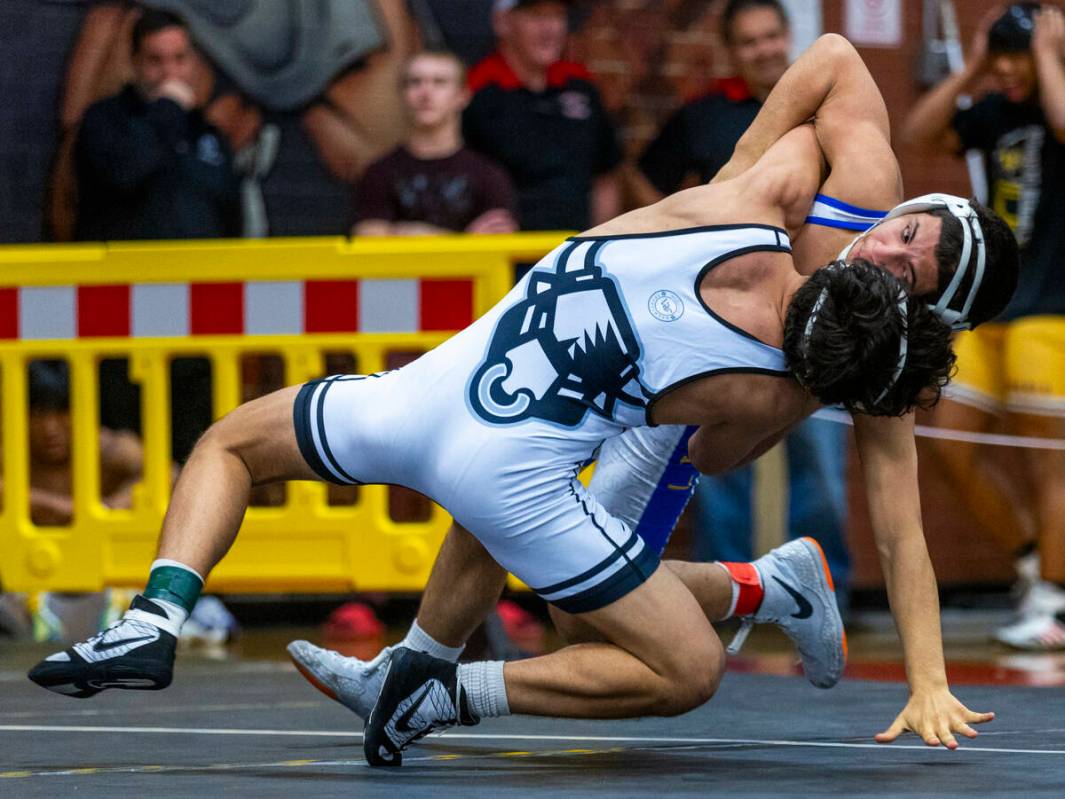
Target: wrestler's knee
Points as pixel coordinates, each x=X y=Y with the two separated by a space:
x=691 y=674
x=259 y=433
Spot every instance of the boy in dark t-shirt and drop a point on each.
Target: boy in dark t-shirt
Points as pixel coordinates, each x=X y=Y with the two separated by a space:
x=433 y=183
x=1014 y=368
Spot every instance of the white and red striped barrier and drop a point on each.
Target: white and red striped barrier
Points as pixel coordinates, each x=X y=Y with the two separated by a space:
x=254 y=307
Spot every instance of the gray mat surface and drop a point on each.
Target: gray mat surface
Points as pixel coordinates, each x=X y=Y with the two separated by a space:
x=257 y=729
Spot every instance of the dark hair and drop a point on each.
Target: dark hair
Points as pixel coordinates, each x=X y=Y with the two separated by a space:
x=1002 y=262
x=152 y=21
x=49 y=384
x=736 y=7
x=1012 y=32
x=852 y=351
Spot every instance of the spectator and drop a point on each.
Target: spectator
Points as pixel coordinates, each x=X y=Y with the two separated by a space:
x=700 y=136
x=1017 y=367
x=149 y=165
x=694 y=144
x=70 y=616
x=51 y=473
x=543 y=120
x=433 y=183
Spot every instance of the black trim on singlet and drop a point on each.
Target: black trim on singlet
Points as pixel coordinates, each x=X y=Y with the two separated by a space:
x=302 y=412
x=620 y=551
x=728 y=370
x=717 y=262
x=634 y=573
x=613 y=588
x=680 y=232
x=301 y=419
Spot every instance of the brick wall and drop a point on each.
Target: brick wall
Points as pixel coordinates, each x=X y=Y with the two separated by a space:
x=649 y=55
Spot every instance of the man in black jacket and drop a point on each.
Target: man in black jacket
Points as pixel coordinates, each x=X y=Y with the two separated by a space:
x=149 y=164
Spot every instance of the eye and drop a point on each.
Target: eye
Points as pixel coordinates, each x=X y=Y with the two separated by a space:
x=907 y=234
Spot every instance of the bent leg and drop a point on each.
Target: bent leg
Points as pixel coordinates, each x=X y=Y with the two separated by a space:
x=252 y=445
x=1046 y=469
x=463 y=587
x=663 y=658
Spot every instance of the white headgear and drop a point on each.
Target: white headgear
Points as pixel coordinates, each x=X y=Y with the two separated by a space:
x=973 y=240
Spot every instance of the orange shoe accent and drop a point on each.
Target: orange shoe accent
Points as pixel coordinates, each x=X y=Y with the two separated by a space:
x=313 y=680
x=831 y=584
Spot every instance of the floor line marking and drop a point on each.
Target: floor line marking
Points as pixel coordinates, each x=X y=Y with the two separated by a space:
x=523 y=737
x=165 y=709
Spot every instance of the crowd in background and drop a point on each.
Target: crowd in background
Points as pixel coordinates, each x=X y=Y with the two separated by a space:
x=520 y=139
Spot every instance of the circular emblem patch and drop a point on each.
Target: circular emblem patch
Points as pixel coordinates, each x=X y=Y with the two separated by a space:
x=665 y=306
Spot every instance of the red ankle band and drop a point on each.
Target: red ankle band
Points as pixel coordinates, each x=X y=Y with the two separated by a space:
x=751 y=592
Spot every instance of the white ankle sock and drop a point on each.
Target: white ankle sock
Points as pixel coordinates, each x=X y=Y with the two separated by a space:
x=735 y=593
x=175 y=616
x=485 y=689
x=420 y=641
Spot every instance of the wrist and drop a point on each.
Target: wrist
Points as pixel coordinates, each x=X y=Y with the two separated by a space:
x=929 y=682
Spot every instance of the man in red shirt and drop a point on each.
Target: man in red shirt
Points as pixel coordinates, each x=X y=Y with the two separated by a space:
x=543 y=120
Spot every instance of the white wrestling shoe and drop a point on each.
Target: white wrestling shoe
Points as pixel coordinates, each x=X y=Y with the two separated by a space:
x=800 y=599
x=1042 y=633
x=1038 y=627
x=352 y=682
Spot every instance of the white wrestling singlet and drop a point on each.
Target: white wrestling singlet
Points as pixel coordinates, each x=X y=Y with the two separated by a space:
x=495 y=423
x=644 y=476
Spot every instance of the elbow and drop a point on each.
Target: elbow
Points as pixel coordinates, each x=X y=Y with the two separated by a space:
x=707 y=463
x=700 y=458
x=837 y=49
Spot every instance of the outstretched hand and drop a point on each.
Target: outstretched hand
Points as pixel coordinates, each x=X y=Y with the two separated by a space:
x=935 y=716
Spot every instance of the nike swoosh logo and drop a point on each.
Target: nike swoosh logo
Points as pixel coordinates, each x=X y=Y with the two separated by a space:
x=102 y=647
x=805 y=608
x=403 y=722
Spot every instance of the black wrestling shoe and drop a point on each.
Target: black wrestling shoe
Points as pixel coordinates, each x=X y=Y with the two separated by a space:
x=133 y=653
x=421 y=694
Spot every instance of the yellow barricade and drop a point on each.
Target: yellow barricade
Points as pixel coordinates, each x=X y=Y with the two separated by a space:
x=152 y=302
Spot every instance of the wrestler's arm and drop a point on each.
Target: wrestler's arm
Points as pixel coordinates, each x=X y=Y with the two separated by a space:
x=829 y=78
x=889 y=465
x=852 y=131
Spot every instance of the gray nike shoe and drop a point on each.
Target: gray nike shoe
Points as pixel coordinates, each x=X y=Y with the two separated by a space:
x=352 y=682
x=801 y=600
x=421 y=695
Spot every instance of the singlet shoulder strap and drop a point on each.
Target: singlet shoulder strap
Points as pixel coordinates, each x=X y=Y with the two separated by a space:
x=830 y=212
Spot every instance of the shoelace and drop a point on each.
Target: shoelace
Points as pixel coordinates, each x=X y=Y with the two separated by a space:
x=746 y=625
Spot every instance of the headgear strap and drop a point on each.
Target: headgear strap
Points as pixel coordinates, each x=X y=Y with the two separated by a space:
x=972 y=243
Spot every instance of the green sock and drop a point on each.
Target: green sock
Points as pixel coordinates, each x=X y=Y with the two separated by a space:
x=174 y=582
